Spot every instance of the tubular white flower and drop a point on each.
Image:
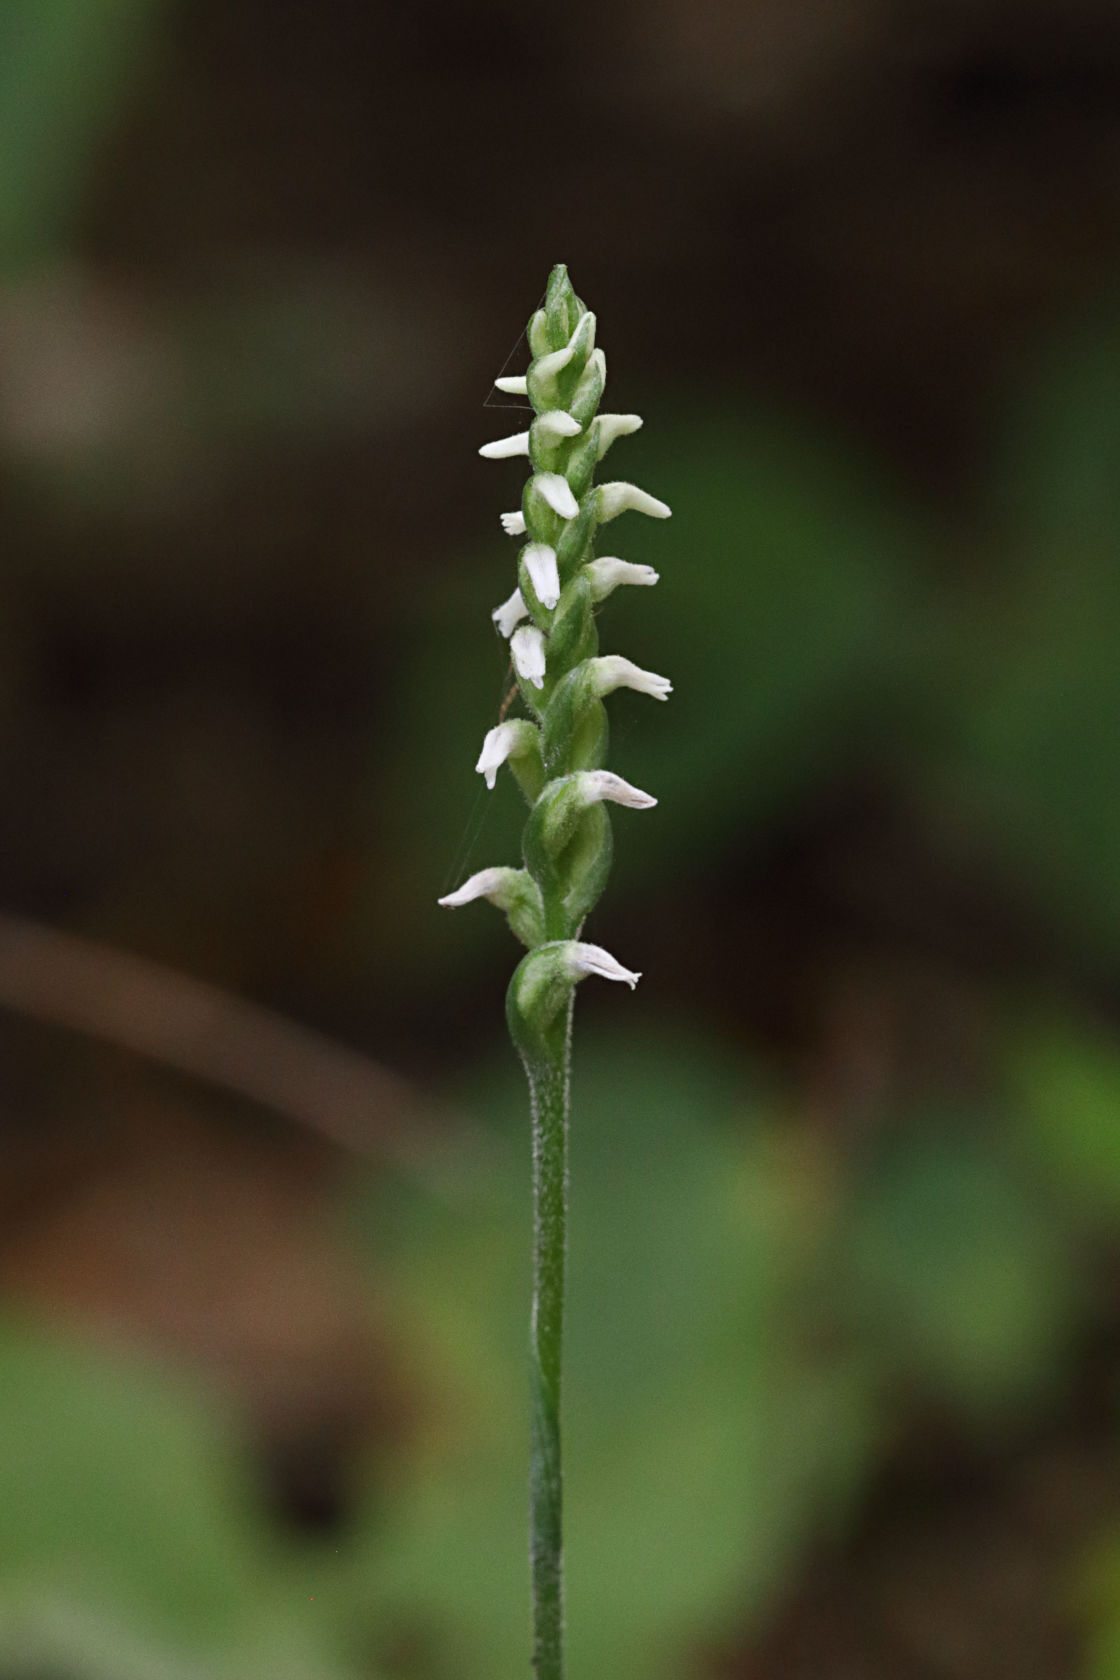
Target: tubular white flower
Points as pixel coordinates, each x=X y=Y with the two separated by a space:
x=596 y=785
x=580 y=959
x=557 y=492
x=505 y=740
x=606 y=573
x=621 y=497
x=501 y=450
x=509 y=615
x=514 y=384
x=557 y=423
x=527 y=648
x=513 y=524
x=613 y=426
x=612 y=671
x=540 y=563
x=493 y=884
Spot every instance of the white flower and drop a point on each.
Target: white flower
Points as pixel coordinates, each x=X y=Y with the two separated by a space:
x=582 y=959
x=620 y=497
x=513 y=383
x=488 y=883
x=613 y=426
x=606 y=573
x=596 y=785
x=612 y=671
x=513 y=524
x=527 y=648
x=540 y=563
x=509 y=615
x=557 y=492
x=504 y=741
x=547 y=367
x=503 y=448
x=558 y=423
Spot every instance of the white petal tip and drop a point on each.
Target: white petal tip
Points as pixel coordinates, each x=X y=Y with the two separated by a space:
x=527 y=649
x=504 y=448
x=540 y=564
x=509 y=615
x=621 y=497
x=604 y=784
x=558 y=423
x=513 y=524
x=608 y=572
x=592 y=959
x=557 y=492
x=514 y=384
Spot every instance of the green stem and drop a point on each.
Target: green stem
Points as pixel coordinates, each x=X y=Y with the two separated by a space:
x=548 y=1085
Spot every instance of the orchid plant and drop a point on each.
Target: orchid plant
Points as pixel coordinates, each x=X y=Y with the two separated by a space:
x=557 y=756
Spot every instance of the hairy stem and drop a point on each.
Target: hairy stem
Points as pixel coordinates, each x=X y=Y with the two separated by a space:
x=548 y=1084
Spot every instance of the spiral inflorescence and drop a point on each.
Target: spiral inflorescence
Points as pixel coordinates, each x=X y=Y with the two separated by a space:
x=557 y=753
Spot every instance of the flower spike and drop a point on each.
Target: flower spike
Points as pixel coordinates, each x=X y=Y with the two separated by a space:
x=556 y=757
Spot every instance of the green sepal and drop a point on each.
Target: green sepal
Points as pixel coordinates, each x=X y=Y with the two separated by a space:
x=582 y=461
x=528 y=771
x=576 y=538
x=524 y=909
x=568 y=852
x=588 y=393
x=568 y=847
x=543 y=456
x=573 y=636
x=582 y=342
x=559 y=329
x=559 y=306
x=553 y=822
x=537 y=1000
x=537 y=333
x=542 y=523
x=588 y=866
x=535 y=701
x=574 y=726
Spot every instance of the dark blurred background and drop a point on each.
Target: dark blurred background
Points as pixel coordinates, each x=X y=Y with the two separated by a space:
x=844 y=1370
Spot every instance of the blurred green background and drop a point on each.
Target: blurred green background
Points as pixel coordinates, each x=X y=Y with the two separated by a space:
x=844 y=1366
